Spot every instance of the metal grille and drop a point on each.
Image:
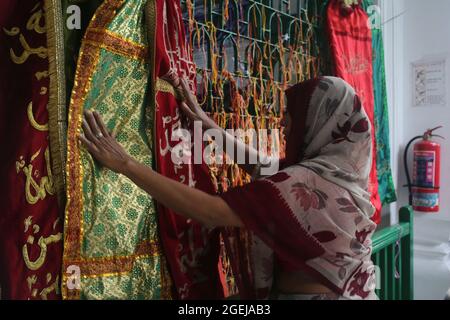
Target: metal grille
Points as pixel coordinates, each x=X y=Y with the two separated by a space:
x=247 y=53
x=254 y=47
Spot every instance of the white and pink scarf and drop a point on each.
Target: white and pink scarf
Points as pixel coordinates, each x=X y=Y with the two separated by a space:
x=315 y=214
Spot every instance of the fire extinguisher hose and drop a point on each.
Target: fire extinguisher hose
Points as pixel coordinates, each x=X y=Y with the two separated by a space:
x=405 y=162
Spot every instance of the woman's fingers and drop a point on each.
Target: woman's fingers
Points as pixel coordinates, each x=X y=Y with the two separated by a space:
x=172 y=78
x=101 y=124
x=191 y=101
x=185 y=108
x=91 y=147
x=93 y=124
x=88 y=132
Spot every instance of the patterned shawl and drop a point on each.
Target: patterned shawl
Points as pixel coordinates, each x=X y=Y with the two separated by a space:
x=314 y=215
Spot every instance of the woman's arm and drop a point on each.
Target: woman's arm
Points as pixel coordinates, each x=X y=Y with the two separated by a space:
x=192 y=109
x=189 y=202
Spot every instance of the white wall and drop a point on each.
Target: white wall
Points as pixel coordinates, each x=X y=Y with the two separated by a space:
x=421 y=30
x=393 y=31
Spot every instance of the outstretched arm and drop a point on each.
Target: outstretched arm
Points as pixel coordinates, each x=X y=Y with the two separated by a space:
x=194 y=112
x=188 y=202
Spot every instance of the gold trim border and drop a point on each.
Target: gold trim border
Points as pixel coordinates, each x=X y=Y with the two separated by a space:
x=113 y=42
x=57 y=95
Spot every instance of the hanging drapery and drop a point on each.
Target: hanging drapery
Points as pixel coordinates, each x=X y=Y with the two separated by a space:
x=386 y=185
x=192 y=250
x=111 y=225
x=351 y=50
x=112 y=232
x=30 y=223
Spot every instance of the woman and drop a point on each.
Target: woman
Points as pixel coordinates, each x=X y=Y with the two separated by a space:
x=312 y=218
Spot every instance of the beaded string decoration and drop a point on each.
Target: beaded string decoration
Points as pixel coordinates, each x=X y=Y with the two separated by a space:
x=247 y=53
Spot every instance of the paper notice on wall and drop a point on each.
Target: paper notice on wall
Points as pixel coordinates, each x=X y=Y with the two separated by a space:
x=429 y=83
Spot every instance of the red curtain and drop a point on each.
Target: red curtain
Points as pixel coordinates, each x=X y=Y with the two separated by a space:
x=351 y=47
x=30 y=228
x=191 y=249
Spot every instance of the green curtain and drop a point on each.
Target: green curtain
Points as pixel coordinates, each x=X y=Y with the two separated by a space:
x=385 y=181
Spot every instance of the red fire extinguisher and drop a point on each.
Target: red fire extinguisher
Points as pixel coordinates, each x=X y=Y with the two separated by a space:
x=424 y=189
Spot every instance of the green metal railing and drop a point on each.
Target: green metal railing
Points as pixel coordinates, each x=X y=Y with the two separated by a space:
x=393 y=257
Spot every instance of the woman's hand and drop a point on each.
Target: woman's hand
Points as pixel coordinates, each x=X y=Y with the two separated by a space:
x=102 y=145
x=190 y=106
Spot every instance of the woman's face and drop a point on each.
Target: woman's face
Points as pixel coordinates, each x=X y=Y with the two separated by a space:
x=286 y=124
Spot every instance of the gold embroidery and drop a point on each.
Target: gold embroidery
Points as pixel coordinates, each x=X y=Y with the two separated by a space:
x=44 y=186
x=116 y=265
x=20 y=164
x=30 y=239
x=36 y=229
x=53 y=287
x=55 y=223
x=35 y=155
x=39 y=262
x=92 y=267
x=42 y=243
x=34 y=23
x=13 y=32
x=31 y=280
x=41 y=75
x=27 y=222
x=43 y=91
x=34 y=123
x=41 y=52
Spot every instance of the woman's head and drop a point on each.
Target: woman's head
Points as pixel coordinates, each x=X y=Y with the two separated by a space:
x=330 y=132
x=322 y=112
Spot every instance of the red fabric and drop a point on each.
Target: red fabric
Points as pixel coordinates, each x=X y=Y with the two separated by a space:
x=191 y=250
x=273 y=221
x=351 y=47
x=18 y=87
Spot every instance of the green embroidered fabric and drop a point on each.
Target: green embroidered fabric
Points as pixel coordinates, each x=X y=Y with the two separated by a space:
x=118 y=217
